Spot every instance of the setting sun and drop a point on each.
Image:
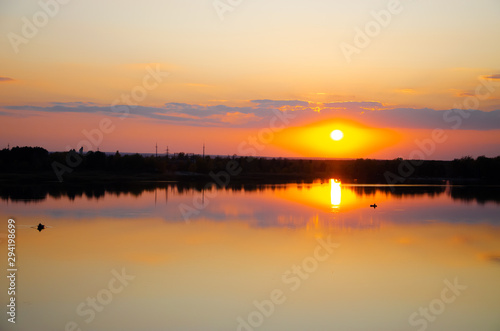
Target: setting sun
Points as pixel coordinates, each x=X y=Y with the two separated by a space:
x=357 y=140
x=336 y=135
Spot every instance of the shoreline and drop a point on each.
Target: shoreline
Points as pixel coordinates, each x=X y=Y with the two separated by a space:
x=256 y=178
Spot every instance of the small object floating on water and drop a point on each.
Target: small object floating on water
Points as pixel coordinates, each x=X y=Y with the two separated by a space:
x=40 y=227
x=374 y=206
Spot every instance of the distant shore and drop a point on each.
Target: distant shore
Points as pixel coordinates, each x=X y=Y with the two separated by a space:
x=35 y=164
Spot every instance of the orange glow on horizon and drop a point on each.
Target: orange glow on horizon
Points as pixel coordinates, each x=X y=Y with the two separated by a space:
x=358 y=139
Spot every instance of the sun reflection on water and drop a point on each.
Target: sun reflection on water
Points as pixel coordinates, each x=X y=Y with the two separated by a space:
x=335 y=193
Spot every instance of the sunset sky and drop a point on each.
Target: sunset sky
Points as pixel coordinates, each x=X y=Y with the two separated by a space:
x=411 y=79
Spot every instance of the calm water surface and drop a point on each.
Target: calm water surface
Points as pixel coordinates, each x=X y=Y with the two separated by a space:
x=281 y=257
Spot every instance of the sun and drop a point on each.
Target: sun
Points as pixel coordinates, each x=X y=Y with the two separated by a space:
x=337 y=135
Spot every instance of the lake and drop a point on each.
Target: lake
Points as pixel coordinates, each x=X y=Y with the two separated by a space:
x=169 y=256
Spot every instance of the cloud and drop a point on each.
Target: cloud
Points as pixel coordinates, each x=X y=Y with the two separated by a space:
x=260 y=112
x=281 y=103
x=16 y=114
x=179 y=113
x=5 y=113
x=6 y=79
x=354 y=104
x=59 y=107
x=496 y=76
x=491 y=257
x=429 y=118
x=406 y=91
x=236 y=118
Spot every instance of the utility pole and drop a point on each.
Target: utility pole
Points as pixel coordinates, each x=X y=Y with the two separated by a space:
x=156 y=150
x=203 y=150
x=167 y=152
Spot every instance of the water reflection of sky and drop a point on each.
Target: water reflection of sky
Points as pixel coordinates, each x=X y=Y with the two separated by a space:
x=292 y=205
x=205 y=273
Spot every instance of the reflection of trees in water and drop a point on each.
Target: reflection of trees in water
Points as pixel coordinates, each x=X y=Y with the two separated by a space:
x=400 y=191
x=481 y=194
x=39 y=192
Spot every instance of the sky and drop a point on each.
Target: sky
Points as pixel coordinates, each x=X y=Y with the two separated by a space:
x=412 y=79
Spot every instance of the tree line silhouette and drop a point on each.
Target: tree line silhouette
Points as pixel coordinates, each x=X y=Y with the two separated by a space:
x=37 y=161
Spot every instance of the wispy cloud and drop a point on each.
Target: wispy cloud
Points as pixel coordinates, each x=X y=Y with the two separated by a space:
x=491 y=257
x=16 y=114
x=497 y=76
x=407 y=91
x=354 y=104
x=464 y=94
x=429 y=118
x=180 y=113
x=259 y=112
x=5 y=79
x=280 y=103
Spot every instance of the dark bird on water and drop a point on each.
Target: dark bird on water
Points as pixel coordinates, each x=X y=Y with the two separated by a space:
x=374 y=206
x=40 y=227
